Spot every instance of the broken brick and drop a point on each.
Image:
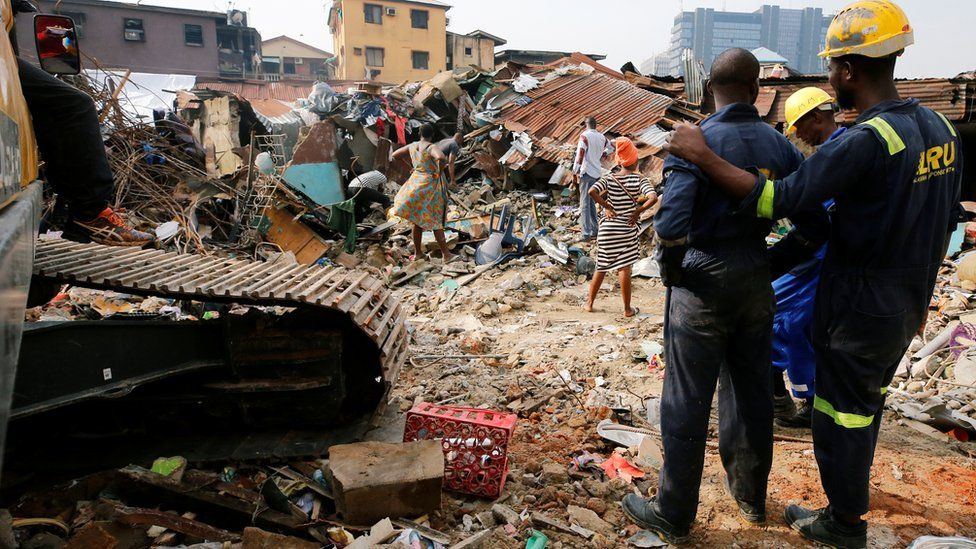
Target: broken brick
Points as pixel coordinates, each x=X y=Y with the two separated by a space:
x=375 y=480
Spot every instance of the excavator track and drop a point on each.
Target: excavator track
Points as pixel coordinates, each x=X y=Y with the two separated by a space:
x=364 y=299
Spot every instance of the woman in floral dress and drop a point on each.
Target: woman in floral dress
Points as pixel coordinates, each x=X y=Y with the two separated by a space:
x=422 y=200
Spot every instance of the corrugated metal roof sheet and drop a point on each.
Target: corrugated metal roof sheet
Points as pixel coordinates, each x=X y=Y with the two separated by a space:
x=654 y=136
x=559 y=106
x=282 y=91
x=939 y=94
x=765 y=100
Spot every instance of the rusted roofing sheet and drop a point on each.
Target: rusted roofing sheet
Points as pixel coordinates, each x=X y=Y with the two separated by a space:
x=559 y=106
x=767 y=96
x=939 y=94
x=282 y=91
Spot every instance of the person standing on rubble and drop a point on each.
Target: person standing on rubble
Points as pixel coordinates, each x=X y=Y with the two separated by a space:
x=719 y=313
x=624 y=196
x=451 y=148
x=75 y=163
x=796 y=260
x=422 y=200
x=896 y=179
x=593 y=147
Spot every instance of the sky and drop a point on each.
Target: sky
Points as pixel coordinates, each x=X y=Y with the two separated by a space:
x=623 y=30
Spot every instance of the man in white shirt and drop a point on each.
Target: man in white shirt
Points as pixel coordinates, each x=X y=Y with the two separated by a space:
x=367 y=189
x=587 y=167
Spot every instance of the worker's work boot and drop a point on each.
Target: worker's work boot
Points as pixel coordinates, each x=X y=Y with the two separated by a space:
x=645 y=512
x=109 y=228
x=801 y=419
x=820 y=526
x=783 y=406
x=754 y=514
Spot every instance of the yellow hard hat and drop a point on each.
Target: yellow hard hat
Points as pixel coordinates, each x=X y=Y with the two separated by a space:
x=872 y=28
x=804 y=101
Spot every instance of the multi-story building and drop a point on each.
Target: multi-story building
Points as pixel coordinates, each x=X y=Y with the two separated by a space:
x=389 y=40
x=796 y=34
x=285 y=57
x=475 y=48
x=155 y=39
x=656 y=65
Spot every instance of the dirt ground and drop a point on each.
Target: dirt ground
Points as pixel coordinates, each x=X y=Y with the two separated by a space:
x=530 y=314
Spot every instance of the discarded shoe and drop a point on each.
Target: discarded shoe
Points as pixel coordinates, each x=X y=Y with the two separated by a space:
x=800 y=420
x=783 y=407
x=754 y=514
x=109 y=228
x=644 y=512
x=820 y=526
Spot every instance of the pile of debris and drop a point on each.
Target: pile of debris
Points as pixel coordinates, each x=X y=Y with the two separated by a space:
x=934 y=389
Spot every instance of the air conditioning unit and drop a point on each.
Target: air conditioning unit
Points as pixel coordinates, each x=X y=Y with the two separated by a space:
x=390 y=12
x=299 y=61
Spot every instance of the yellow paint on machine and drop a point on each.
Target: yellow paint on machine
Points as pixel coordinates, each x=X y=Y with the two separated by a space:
x=15 y=108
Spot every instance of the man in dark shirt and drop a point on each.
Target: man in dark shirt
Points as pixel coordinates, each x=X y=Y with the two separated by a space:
x=451 y=147
x=896 y=180
x=719 y=313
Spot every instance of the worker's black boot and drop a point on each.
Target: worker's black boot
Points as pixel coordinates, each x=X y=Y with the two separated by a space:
x=822 y=527
x=646 y=513
x=755 y=514
x=801 y=419
x=783 y=406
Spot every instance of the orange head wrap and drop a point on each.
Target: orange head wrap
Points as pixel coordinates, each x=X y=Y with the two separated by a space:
x=626 y=152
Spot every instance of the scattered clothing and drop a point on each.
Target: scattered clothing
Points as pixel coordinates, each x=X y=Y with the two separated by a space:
x=342 y=219
x=617 y=239
x=422 y=200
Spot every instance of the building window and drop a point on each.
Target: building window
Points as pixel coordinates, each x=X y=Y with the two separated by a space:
x=79 y=19
x=418 y=19
x=421 y=60
x=468 y=52
x=193 y=35
x=132 y=30
x=374 y=13
x=374 y=57
x=289 y=66
x=357 y=51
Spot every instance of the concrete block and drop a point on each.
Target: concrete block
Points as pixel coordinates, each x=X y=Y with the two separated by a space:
x=376 y=480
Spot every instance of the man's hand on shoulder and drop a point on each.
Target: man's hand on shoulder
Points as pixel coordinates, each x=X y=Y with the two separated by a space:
x=688 y=142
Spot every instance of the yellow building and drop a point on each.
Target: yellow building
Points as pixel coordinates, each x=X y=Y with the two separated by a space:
x=389 y=40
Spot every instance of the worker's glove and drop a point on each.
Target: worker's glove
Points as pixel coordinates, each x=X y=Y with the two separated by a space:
x=669 y=259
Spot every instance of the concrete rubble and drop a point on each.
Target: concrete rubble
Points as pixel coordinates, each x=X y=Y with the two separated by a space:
x=508 y=335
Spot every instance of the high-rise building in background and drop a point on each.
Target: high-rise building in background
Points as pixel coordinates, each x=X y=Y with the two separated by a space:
x=796 y=34
x=656 y=65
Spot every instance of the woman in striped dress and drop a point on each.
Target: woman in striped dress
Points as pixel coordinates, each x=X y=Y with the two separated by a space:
x=624 y=196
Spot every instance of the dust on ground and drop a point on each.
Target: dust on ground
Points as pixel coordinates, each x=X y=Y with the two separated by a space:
x=529 y=314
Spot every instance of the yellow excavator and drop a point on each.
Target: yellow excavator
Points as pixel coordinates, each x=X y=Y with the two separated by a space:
x=305 y=361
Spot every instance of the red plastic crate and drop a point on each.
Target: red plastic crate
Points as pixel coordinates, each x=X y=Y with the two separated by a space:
x=475 y=444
